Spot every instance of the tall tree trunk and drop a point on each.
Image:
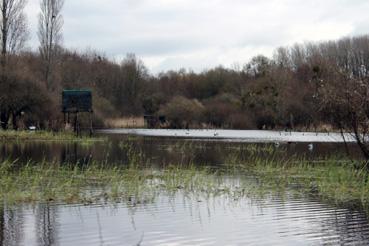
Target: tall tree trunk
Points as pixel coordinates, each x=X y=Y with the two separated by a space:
x=4 y=118
x=14 y=122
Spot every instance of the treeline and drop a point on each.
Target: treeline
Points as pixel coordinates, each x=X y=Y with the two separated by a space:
x=304 y=86
x=310 y=85
x=298 y=88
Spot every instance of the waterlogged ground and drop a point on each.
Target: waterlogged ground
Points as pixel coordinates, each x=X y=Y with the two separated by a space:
x=181 y=218
x=163 y=150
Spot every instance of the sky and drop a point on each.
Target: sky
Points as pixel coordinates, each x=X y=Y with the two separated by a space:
x=201 y=34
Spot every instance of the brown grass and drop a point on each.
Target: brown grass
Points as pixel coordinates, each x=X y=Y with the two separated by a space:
x=129 y=122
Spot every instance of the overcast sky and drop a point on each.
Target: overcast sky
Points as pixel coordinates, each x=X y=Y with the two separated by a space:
x=200 y=34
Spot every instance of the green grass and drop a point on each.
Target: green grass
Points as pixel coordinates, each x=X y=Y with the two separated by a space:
x=335 y=180
x=332 y=179
x=66 y=183
x=11 y=135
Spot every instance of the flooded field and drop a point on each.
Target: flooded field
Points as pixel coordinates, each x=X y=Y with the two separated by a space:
x=251 y=136
x=182 y=217
x=161 y=150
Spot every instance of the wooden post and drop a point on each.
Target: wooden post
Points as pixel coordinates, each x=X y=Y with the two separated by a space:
x=91 y=128
x=76 y=124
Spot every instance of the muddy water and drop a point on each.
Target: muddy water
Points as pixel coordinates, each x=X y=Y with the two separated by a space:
x=180 y=219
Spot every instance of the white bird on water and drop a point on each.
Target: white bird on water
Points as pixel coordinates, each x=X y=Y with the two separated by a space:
x=216 y=134
x=311 y=147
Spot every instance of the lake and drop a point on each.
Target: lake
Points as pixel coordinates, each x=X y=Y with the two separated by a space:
x=180 y=218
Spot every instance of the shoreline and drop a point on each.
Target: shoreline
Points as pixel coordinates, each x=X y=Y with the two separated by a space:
x=248 y=136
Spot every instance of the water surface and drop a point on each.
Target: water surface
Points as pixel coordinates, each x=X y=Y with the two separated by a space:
x=178 y=218
x=183 y=220
x=164 y=150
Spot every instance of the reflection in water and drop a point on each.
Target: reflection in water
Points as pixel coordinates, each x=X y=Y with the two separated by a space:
x=28 y=225
x=46 y=224
x=11 y=229
x=179 y=219
x=157 y=151
x=186 y=220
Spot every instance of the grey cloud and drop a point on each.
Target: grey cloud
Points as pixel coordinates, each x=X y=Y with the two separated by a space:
x=176 y=31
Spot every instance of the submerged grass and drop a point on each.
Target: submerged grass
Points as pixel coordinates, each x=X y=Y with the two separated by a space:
x=343 y=182
x=89 y=184
x=11 y=135
x=336 y=180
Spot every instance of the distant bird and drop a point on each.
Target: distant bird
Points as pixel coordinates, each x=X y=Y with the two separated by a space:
x=32 y=128
x=277 y=144
x=216 y=134
x=311 y=147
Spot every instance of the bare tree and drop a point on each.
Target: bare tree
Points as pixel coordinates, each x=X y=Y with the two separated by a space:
x=345 y=101
x=13 y=37
x=13 y=27
x=50 y=34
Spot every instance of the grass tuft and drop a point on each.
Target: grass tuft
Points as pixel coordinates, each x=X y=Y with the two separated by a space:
x=19 y=136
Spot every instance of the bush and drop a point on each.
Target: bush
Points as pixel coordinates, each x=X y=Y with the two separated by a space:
x=217 y=113
x=241 y=121
x=182 y=112
x=224 y=111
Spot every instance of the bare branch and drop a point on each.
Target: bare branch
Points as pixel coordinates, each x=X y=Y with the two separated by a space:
x=50 y=33
x=14 y=30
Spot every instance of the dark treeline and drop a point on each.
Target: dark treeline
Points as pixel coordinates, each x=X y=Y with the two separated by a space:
x=298 y=88
x=306 y=86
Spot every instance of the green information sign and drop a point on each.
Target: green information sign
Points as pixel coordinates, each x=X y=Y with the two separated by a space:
x=76 y=101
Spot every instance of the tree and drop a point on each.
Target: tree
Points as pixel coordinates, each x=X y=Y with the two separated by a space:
x=181 y=112
x=346 y=101
x=13 y=28
x=13 y=37
x=24 y=96
x=50 y=35
x=259 y=66
x=130 y=87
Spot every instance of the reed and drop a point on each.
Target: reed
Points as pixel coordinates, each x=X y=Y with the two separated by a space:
x=46 y=136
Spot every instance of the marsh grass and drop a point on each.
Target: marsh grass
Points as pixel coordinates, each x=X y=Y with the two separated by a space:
x=19 y=136
x=44 y=182
x=333 y=179
x=130 y=122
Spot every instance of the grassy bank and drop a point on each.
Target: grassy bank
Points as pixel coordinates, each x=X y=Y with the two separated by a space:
x=44 y=136
x=341 y=182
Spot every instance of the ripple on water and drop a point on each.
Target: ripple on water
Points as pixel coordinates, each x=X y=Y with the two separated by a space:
x=181 y=220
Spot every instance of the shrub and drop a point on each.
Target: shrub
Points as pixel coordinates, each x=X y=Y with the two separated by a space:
x=182 y=112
